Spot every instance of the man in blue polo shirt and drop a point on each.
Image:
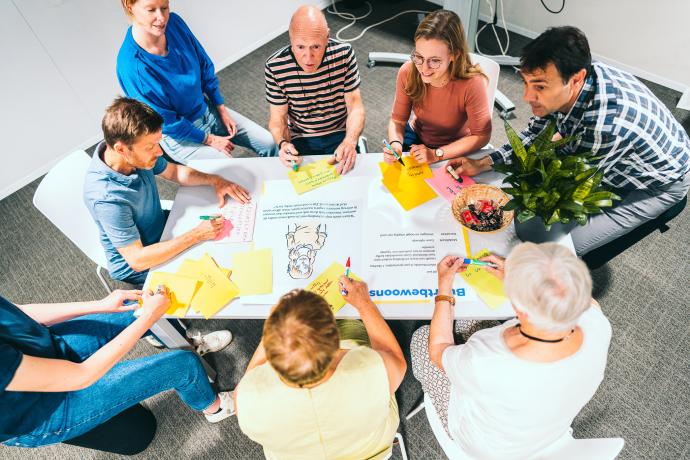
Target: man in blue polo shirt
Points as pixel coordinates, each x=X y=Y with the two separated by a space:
x=120 y=192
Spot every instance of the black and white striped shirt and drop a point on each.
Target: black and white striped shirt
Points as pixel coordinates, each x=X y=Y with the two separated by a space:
x=316 y=101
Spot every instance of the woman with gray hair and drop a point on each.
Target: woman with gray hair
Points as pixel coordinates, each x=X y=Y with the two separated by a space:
x=512 y=390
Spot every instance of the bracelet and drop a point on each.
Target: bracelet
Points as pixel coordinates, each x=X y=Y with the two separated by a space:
x=393 y=142
x=280 y=144
x=446 y=298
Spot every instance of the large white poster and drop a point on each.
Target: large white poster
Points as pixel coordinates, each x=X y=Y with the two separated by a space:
x=311 y=231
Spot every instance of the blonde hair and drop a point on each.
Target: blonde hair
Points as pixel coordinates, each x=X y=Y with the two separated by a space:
x=300 y=337
x=442 y=25
x=549 y=283
x=126 y=5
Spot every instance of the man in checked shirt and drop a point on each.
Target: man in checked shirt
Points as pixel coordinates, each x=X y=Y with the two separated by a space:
x=645 y=151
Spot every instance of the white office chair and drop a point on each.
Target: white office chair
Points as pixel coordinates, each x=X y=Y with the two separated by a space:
x=488 y=65
x=565 y=448
x=60 y=197
x=401 y=444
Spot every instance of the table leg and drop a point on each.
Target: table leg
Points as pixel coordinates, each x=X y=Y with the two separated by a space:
x=172 y=339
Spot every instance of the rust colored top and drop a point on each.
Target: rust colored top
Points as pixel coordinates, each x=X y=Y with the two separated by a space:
x=459 y=109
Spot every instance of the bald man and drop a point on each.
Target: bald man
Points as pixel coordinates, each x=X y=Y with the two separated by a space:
x=312 y=87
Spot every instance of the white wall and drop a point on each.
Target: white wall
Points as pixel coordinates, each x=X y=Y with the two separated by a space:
x=58 y=68
x=649 y=39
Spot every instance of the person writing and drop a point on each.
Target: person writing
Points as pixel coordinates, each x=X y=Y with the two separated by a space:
x=62 y=374
x=545 y=365
x=312 y=87
x=316 y=385
x=162 y=64
x=445 y=93
x=642 y=150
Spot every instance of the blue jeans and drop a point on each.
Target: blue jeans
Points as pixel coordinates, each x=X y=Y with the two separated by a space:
x=126 y=384
x=249 y=135
x=410 y=138
x=319 y=145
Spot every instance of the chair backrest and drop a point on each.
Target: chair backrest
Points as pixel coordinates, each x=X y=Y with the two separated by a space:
x=491 y=69
x=565 y=448
x=60 y=197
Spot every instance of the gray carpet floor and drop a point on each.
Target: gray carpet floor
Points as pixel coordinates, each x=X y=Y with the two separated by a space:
x=645 y=396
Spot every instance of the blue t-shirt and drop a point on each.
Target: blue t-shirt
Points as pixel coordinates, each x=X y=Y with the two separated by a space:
x=173 y=85
x=126 y=209
x=23 y=411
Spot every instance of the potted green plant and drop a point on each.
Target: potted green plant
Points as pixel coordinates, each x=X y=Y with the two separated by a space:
x=551 y=192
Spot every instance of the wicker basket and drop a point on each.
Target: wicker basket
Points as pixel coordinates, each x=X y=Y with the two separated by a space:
x=476 y=192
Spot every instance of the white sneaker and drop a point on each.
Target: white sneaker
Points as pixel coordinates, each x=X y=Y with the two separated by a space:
x=209 y=343
x=154 y=342
x=227 y=406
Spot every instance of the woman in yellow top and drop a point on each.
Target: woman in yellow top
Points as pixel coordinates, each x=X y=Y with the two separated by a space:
x=315 y=389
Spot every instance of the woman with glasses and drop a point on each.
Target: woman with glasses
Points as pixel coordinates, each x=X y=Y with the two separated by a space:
x=317 y=388
x=445 y=91
x=512 y=390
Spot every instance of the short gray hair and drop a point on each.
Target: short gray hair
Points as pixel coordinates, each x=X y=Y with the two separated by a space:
x=549 y=283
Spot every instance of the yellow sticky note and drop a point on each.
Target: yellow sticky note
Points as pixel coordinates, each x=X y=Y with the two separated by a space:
x=410 y=193
x=253 y=271
x=215 y=292
x=181 y=289
x=326 y=285
x=192 y=268
x=313 y=175
x=411 y=170
x=488 y=287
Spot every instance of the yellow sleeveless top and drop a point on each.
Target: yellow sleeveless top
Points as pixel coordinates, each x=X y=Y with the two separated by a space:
x=350 y=416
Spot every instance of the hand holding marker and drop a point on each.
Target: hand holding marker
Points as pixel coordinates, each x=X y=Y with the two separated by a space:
x=347 y=275
x=293 y=162
x=395 y=154
x=452 y=172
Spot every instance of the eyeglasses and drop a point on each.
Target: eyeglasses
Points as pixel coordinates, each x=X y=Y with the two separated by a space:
x=433 y=63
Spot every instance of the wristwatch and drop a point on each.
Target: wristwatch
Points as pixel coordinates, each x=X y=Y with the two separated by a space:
x=448 y=298
x=439 y=153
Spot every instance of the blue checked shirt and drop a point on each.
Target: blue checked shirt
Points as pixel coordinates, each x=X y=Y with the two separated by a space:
x=617 y=117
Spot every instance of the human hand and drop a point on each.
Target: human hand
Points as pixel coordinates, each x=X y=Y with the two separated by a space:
x=224 y=187
x=227 y=120
x=119 y=301
x=422 y=153
x=356 y=293
x=220 y=143
x=499 y=271
x=288 y=153
x=388 y=156
x=155 y=304
x=464 y=166
x=345 y=156
x=209 y=229
x=447 y=268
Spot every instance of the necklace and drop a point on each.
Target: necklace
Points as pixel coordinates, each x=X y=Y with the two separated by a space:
x=531 y=337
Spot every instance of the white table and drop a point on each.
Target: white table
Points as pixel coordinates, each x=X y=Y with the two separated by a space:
x=250 y=173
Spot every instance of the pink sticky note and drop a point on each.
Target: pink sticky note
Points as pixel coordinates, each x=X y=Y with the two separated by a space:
x=445 y=185
x=227 y=228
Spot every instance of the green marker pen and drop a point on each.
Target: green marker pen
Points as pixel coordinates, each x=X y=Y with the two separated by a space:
x=209 y=217
x=480 y=263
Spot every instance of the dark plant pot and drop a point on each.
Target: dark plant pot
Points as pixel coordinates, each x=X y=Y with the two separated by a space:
x=534 y=231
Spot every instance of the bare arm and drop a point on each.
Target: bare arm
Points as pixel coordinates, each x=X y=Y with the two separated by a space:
x=354 y=124
x=184 y=175
x=464 y=146
x=382 y=338
x=51 y=375
x=441 y=329
x=277 y=122
x=141 y=257
x=54 y=313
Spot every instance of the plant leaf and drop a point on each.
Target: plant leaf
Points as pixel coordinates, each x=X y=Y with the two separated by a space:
x=516 y=144
x=512 y=204
x=525 y=215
